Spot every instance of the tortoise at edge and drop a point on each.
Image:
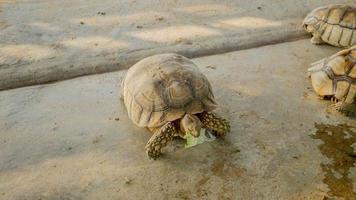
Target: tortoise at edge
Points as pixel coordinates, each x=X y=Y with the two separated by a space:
x=333 y=24
x=335 y=77
x=169 y=95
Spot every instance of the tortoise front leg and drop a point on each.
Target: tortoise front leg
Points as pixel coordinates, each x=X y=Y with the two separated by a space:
x=159 y=140
x=316 y=39
x=215 y=123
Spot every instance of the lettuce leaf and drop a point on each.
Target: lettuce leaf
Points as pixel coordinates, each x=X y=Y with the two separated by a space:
x=205 y=136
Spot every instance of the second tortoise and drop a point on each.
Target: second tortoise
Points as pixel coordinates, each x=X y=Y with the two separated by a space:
x=333 y=24
x=335 y=77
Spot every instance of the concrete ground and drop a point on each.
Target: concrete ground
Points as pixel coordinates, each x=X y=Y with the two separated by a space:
x=43 y=41
x=73 y=139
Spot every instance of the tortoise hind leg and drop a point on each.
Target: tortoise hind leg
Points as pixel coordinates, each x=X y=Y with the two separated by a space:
x=159 y=140
x=214 y=122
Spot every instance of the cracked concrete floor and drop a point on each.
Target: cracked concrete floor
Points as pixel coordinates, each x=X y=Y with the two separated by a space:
x=73 y=139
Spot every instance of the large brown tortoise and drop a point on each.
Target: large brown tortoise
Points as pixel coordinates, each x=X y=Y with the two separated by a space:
x=335 y=77
x=332 y=24
x=169 y=95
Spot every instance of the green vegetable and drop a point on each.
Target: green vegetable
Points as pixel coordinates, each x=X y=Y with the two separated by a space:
x=204 y=136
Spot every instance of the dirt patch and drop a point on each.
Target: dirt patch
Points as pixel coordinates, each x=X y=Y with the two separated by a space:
x=224 y=167
x=337 y=141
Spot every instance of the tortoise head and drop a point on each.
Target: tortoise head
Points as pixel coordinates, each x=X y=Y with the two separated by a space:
x=310 y=24
x=191 y=124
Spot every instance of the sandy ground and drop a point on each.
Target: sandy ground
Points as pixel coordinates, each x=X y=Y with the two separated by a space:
x=43 y=41
x=73 y=139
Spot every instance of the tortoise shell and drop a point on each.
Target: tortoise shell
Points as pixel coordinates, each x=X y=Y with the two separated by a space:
x=163 y=88
x=336 y=76
x=335 y=24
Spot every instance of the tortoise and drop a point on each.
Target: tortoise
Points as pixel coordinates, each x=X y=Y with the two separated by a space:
x=335 y=77
x=168 y=94
x=334 y=24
